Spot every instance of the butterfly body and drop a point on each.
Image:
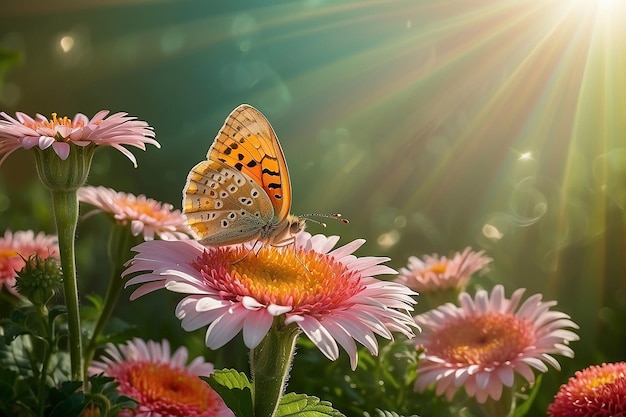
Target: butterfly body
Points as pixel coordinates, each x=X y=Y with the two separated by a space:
x=242 y=191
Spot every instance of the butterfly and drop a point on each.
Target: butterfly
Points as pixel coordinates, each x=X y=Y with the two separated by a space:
x=242 y=191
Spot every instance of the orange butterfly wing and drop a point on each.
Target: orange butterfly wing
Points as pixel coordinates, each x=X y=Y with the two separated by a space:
x=247 y=142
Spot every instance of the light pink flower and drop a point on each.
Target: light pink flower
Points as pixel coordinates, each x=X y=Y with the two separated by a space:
x=329 y=294
x=15 y=247
x=145 y=215
x=482 y=344
x=117 y=131
x=596 y=391
x=436 y=273
x=162 y=383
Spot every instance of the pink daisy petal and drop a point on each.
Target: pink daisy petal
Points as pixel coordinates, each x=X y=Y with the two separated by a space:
x=62 y=133
x=146 y=216
x=62 y=149
x=333 y=299
x=438 y=273
x=20 y=245
x=161 y=382
x=487 y=340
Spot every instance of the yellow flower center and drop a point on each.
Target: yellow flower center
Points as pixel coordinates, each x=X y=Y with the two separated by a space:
x=6 y=253
x=146 y=207
x=54 y=122
x=438 y=268
x=9 y=263
x=489 y=339
x=307 y=281
x=603 y=377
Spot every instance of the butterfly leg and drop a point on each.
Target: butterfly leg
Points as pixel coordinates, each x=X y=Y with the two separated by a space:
x=252 y=249
x=291 y=241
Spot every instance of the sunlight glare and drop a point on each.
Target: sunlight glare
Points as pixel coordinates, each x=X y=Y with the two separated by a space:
x=66 y=43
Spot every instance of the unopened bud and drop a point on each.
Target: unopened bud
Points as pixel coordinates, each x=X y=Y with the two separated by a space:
x=39 y=279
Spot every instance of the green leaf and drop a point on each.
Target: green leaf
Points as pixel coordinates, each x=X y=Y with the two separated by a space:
x=67 y=401
x=385 y=413
x=302 y=405
x=56 y=311
x=16 y=355
x=8 y=379
x=235 y=389
x=12 y=331
x=106 y=387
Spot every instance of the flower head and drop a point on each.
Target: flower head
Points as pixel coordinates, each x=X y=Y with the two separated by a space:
x=482 y=344
x=436 y=273
x=40 y=279
x=117 y=130
x=17 y=247
x=145 y=215
x=596 y=391
x=162 y=383
x=330 y=295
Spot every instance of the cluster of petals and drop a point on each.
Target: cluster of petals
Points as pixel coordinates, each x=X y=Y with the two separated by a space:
x=596 y=391
x=483 y=343
x=117 y=131
x=145 y=215
x=16 y=247
x=435 y=272
x=162 y=382
x=351 y=305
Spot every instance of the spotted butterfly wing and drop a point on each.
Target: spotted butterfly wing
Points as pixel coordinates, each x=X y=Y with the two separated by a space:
x=242 y=191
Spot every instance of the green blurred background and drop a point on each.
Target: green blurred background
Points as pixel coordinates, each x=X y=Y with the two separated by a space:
x=432 y=125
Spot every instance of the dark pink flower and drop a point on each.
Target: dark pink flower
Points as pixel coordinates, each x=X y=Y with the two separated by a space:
x=161 y=382
x=596 y=391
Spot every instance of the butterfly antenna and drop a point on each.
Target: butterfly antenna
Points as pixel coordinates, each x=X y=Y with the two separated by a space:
x=335 y=216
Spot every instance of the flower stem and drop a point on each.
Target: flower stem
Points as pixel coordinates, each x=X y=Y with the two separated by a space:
x=270 y=364
x=65 y=204
x=120 y=243
x=42 y=391
x=504 y=407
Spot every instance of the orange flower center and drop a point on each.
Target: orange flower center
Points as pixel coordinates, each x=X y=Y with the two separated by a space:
x=161 y=387
x=307 y=281
x=54 y=122
x=10 y=262
x=489 y=339
x=438 y=268
x=6 y=253
x=148 y=208
x=598 y=377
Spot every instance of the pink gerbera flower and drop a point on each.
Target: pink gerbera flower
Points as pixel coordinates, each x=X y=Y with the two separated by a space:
x=596 y=391
x=145 y=215
x=438 y=273
x=117 y=131
x=330 y=294
x=162 y=383
x=18 y=246
x=482 y=344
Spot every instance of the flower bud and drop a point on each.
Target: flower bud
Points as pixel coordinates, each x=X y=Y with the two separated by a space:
x=39 y=279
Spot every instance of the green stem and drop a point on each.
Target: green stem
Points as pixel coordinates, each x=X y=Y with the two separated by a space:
x=270 y=363
x=49 y=337
x=504 y=407
x=120 y=243
x=65 y=205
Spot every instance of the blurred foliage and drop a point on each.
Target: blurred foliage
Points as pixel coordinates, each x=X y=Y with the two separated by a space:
x=8 y=60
